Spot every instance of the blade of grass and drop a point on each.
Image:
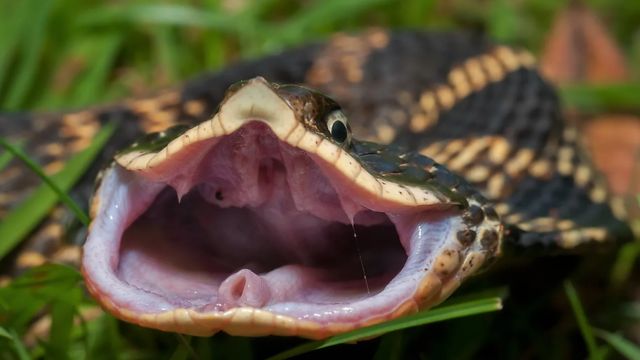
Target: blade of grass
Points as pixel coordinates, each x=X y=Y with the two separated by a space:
x=104 y=338
x=27 y=215
x=62 y=315
x=185 y=342
x=181 y=353
x=12 y=31
x=619 y=343
x=6 y=157
x=62 y=195
x=32 y=49
x=92 y=84
x=82 y=328
x=581 y=318
x=28 y=294
x=623 y=266
x=4 y=333
x=320 y=12
x=501 y=292
x=167 y=53
x=88 y=64
x=318 y=15
x=19 y=348
x=422 y=318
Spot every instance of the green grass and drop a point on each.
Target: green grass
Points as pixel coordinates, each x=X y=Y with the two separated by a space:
x=57 y=55
x=617 y=342
x=18 y=223
x=51 y=184
x=422 y=318
x=581 y=318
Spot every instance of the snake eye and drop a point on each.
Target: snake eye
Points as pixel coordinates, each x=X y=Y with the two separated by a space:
x=338 y=127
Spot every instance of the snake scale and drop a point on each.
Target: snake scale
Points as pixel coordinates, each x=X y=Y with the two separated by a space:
x=442 y=133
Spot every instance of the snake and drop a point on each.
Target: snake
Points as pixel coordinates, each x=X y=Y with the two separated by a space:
x=321 y=189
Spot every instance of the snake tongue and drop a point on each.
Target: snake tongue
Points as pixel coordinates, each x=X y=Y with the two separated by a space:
x=246 y=233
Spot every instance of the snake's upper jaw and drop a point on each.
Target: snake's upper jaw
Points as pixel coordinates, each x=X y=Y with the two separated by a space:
x=256 y=223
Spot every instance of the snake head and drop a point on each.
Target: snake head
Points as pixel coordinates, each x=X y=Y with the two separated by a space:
x=271 y=219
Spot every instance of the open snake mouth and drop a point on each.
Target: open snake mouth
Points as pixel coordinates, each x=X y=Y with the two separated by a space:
x=240 y=227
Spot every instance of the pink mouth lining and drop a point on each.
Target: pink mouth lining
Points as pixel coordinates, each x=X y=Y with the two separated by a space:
x=249 y=221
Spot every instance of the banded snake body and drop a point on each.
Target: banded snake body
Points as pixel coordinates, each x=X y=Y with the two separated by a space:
x=409 y=160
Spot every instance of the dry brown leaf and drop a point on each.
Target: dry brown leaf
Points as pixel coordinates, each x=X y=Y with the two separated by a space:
x=614 y=142
x=580 y=49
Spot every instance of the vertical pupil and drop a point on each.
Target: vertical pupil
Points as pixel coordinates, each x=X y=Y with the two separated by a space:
x=339 y=131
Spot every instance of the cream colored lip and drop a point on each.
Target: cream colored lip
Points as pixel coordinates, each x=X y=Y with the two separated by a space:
x=245 y=321
x=257 y=101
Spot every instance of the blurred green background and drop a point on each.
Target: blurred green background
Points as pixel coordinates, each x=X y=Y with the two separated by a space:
x=67 y=54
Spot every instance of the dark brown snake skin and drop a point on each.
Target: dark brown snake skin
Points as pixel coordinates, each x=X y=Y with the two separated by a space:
x=480 y=109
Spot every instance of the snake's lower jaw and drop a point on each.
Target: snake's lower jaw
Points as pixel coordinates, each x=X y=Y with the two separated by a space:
x=249 y=232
